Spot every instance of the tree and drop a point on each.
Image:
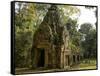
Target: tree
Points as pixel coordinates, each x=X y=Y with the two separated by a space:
x=75 y=36
x=67 y=11
x=89 y=43
x=85 y=28
x=28 y=17
x=24 y=14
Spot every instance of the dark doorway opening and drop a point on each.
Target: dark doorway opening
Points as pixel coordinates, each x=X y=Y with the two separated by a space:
x=78 y=58
x=67 y=60
x=74 y=58
x=41 y=59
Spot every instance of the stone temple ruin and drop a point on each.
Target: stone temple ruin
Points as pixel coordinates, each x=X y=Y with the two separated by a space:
x=50 y=43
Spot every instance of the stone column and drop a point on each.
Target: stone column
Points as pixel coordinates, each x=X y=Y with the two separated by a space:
x=76 y=61
x=61 y=61
x=46 y=57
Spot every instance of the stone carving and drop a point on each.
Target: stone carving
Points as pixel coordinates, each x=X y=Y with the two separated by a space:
x=50 y=43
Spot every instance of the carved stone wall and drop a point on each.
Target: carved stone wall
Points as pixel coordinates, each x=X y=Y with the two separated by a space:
x=51 y=40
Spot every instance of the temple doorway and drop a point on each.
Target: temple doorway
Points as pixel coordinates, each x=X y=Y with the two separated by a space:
x=41 y=57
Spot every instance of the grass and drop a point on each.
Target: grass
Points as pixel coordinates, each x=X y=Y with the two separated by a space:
x=85 y=65
x=88 y=64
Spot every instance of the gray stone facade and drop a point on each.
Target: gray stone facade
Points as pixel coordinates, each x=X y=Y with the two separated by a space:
x=50 y=43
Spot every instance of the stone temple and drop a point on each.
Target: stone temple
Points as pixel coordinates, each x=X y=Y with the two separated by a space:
x=50 y=43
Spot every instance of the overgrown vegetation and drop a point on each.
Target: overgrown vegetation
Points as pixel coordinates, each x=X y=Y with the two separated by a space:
x=28 y=16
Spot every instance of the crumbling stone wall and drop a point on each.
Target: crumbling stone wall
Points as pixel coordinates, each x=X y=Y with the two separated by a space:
x=53 y=38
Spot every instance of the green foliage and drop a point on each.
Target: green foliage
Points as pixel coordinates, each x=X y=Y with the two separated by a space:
x=75 y=36
x=24 y=15
x=89 y=43
x=85 y=28
x=66 y=12
x=27 y=19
